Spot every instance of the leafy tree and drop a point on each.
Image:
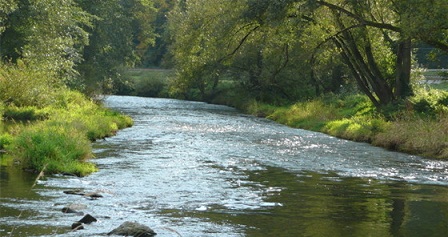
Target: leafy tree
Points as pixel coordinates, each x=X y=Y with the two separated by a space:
x=48 y=34
x=6 y=8
x=157 y=54
x=223 y=40
x=260 y=39
x=121 y=34
x=361 y=29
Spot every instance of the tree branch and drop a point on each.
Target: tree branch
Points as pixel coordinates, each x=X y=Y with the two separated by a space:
x=359 y=18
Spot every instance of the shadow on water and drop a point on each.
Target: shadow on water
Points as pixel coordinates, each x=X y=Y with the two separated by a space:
x=317 y=204
x=18 y=202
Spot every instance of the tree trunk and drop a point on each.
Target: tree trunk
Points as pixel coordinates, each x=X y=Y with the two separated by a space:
x=403 y=70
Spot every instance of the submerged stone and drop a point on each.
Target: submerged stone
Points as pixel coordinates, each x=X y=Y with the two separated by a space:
x=75 y=192
x=74 y=208
x=135 y=229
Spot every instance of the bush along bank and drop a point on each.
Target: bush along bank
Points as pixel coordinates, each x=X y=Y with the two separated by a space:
x=419 y=126
x=57 y=137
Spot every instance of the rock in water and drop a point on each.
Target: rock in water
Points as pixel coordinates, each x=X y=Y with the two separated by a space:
x=77 y=226
x=71 y=210
x=135 y=229
x=87 y=219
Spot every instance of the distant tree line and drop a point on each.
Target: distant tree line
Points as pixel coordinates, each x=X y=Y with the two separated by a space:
x=276 y=51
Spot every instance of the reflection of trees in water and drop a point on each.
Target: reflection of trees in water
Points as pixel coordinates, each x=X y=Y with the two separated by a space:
x=316 y=204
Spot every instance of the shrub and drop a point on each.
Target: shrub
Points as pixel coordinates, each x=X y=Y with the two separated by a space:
x=5 y=140
x=21 y=85
x=430 y=102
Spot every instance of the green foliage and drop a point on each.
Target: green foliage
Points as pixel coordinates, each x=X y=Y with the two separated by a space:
x=308 y=115
x=362 y=128
x=24 y=114
x=353 y=117
x=282 y=51
x=22 y=85
x=86 y=116
x=49 y=34
x=430 y=102
x=5 y=140
x=55 y=146
x=148 y=82
x=121 y=34
x=6 y=7
x=61 y=143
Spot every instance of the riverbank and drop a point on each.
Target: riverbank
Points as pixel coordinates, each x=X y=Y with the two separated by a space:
x=57 y=138
x=419 y=127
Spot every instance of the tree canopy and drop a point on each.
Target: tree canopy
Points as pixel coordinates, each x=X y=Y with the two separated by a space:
x=288 y=46
x=276 y=51
x=83 y=43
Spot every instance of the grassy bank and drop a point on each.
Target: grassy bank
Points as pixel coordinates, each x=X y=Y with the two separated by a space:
x=53 y=130
x=418 y=127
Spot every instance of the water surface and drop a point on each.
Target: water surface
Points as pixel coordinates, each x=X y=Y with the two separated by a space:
x=195 y=169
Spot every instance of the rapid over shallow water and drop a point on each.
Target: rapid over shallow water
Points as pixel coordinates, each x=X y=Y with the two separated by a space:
x=195 y=169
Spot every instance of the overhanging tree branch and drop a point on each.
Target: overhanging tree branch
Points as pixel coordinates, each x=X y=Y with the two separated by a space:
x=359 y=18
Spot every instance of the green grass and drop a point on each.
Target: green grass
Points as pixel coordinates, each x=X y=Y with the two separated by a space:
x=441 y=86
x=420 y=127
x=49 y=126
x=54 y=146
x=60 y=142
x=24 y=114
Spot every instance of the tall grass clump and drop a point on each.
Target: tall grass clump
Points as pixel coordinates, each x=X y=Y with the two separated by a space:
x=417 y=135
x=87 y=116
x=54 y=146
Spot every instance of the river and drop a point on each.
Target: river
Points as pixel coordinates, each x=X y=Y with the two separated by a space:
x=195 y=169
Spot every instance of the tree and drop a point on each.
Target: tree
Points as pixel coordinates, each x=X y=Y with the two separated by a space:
x=157 y=54
x=121 y=34
x=260 y=39
x=233 y=41
x=48 y=34
x=6 y=8
x=360 y=25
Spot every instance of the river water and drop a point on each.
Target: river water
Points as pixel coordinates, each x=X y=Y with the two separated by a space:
x=195 y=169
